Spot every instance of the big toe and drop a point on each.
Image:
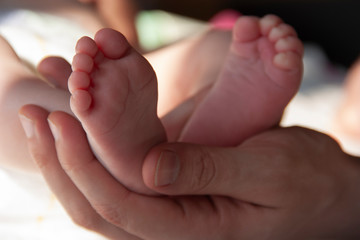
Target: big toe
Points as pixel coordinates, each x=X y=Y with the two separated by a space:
x=112 y=43
x=246 y=29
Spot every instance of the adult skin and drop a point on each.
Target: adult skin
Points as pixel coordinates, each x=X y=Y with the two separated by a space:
x=286 y=183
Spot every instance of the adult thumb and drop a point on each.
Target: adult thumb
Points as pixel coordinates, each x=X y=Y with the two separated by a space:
x=187 y=169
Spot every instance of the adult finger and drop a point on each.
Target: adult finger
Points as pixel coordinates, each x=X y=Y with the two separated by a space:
x=189 y=169
x=143 y=216
x=42 y=149
x=250 y=172
x=56 y=70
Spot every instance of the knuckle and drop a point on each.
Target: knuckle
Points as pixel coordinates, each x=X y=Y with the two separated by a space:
x=73 y=167
x=112 y=214
x=204 y=172
x=91 y=220
x=85 y=220
x=41 y=161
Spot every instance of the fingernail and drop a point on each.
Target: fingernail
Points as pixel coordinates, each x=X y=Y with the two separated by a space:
x=54 y=130
x=167 y=169
x=28 y=126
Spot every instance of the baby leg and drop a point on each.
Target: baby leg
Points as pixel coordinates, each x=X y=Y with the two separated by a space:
x=261 y=74
x=114 y=95
x=20 y=86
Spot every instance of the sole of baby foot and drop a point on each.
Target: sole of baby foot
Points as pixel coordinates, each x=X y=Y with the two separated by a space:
x=114 y=95
x=261 y=74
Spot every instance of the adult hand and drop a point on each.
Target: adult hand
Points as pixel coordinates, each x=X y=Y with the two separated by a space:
x=290 y=183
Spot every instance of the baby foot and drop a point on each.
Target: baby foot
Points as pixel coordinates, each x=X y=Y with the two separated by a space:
x=114 y=95
x=261 y=74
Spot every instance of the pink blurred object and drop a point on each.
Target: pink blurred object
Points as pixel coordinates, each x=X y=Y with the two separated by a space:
x=225 y=19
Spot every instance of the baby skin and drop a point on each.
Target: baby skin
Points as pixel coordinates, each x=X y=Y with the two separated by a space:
x=261 y=74
x=114 y=94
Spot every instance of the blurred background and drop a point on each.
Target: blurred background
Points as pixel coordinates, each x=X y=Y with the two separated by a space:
x=333 y=24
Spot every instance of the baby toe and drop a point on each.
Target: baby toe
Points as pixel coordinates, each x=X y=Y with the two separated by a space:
x=80 y=102
x=87 y=46
x=281 y=31
x=78 y=80
x=83 y=63
x=112 y=43
x=246 y=29
x=268 y=22
x=290 y=43
x=288 y=61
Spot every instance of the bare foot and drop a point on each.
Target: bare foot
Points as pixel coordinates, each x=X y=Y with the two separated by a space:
x=114 y=94
x=261 y=74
